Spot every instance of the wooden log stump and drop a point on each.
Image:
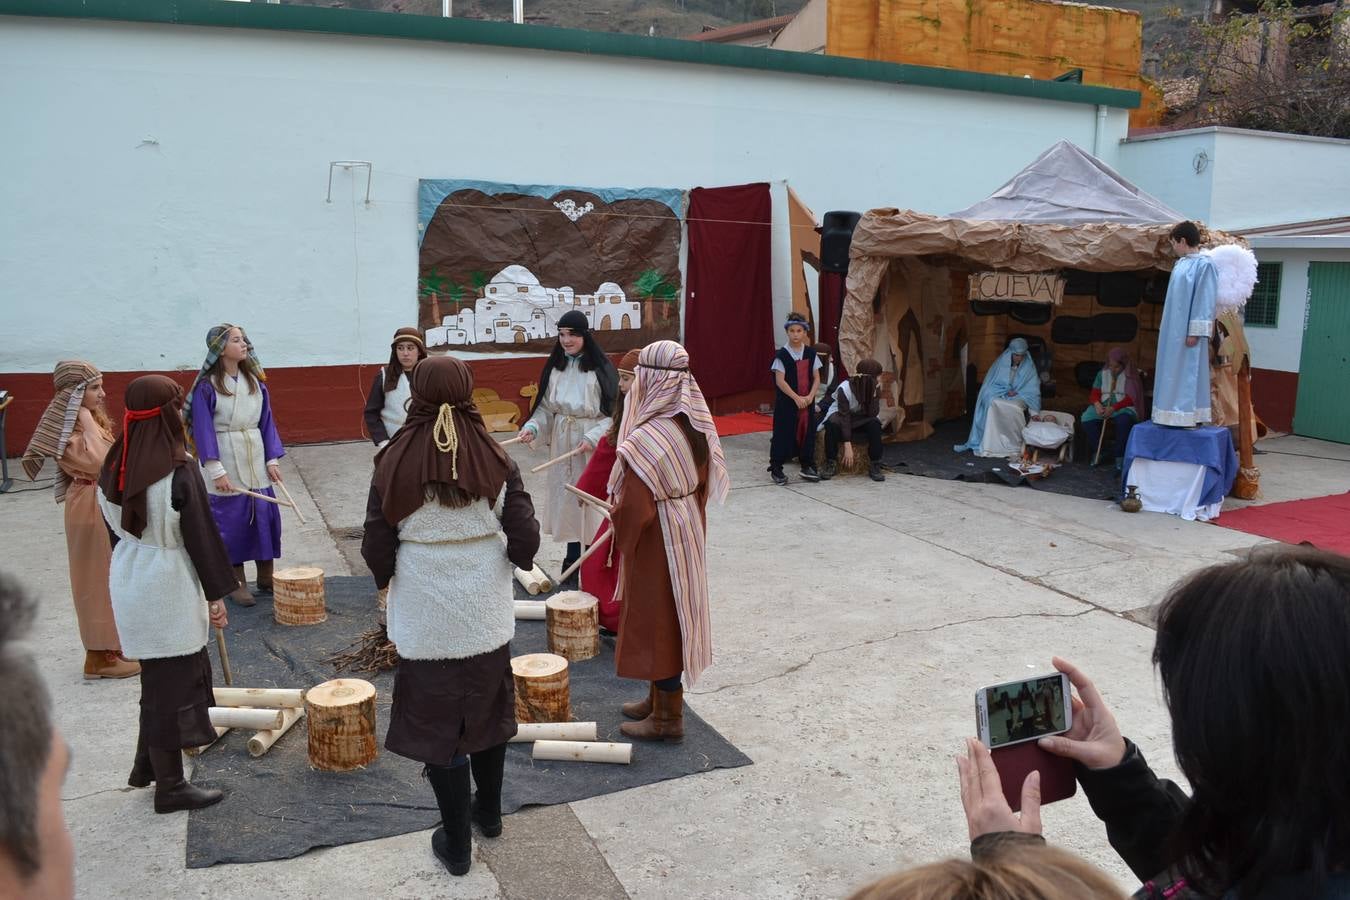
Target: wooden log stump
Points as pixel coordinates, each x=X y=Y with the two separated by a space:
x=543 y=693
x=297 y=596
x=341 y=716
x=573 y=625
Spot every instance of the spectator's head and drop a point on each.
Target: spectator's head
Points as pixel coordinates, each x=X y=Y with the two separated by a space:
x=1254 y=665
x=1187 y=233
x=36 y=856
x=1027 y=872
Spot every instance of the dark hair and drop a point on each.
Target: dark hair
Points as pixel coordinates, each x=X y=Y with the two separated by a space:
x=1254 y=665
x=698 y=441
x=796 y=318
x=1186 y=231
x=25 y=735
x=617 y=419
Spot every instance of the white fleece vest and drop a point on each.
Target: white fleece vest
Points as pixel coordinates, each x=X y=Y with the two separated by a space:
x=451 y=596
x=157 y=601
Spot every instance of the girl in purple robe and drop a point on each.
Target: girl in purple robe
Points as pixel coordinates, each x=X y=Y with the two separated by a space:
x=229 y=419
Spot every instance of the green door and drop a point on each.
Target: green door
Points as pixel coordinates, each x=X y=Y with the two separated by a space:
x=1322 y=409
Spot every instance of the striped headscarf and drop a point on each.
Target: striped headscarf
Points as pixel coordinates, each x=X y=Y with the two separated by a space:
x=654 y=447
x=53 y=432
x=215 y=344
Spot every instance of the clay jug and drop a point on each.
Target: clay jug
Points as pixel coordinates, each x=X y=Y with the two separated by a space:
x=1131 y=502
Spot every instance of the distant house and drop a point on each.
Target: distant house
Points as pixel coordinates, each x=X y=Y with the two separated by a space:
x=759 y=33
x=514 y=308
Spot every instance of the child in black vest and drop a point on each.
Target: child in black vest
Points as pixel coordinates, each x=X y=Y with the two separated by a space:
x=796 y=374
x=854 y=416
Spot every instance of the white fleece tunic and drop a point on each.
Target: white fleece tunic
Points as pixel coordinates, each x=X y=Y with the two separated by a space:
x=157 y=600
x=452 y=593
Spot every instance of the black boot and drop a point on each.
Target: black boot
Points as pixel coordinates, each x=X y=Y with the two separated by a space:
x=487 y=798
x=174 y=793
x=142 y=773
x=453 y=841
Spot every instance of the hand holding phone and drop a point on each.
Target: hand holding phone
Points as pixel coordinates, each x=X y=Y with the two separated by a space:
x=1025 y=710
x=982 y=795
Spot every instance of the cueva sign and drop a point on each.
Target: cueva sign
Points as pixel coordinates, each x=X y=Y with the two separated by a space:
x=1018 y=287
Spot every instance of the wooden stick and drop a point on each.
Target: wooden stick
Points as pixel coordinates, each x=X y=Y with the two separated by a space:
x=256 y=719
x=1101 y=439
x=196 y=751
x=514 y=440
x=600 y=542
x=249 y=493
x=224 y=657
x=557 y=459
x=299 y=515
x=260 y=698
x=554 y=731
x=584 y=751
x=531 y=609
x=593 y=500
x=261 y=742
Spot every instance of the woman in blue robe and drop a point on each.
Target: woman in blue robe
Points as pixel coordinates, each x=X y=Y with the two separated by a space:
x=1011 y=387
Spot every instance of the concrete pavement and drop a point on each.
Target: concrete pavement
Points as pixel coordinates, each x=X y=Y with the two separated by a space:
x=852 y=623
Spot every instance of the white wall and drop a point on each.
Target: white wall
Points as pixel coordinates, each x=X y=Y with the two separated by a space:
x=1247 y=179
x=1279 y=348
x=1165 y=166
x=158 y=179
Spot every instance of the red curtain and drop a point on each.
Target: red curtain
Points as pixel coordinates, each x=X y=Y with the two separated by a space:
x=728 y=318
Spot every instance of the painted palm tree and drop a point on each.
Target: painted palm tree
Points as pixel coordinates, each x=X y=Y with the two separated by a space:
x=652 y=287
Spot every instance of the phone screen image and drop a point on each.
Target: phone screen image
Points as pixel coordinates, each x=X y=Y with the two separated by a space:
x=1024 y=710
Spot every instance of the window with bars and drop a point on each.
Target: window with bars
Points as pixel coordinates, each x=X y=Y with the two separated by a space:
x=1263 y=309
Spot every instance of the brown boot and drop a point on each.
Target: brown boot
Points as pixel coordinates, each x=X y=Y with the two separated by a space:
x=241 y=595
x=264 y=576
x=640 y=709
x=108 y=664
x=666 y=723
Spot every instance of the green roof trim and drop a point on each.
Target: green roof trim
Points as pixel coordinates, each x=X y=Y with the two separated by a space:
x=324 y=20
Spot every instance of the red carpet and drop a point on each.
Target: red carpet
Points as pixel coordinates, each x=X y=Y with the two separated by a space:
x=742 y=423
x=1322 y=521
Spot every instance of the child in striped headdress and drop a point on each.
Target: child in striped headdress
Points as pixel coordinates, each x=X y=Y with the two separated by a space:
x=76 y=434
x=670 y=462
x=229 y=419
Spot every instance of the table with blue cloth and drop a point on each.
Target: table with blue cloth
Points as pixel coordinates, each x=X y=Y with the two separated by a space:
x=1183 y=471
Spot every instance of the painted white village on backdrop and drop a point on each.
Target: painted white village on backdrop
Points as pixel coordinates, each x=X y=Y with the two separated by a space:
x=514 y=308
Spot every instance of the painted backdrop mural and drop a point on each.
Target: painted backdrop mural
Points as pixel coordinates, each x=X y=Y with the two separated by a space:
x=500 y=263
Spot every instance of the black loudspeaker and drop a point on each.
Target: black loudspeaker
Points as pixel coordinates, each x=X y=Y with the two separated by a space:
x=836 y=233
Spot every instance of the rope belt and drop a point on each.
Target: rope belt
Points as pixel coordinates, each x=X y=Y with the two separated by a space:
x=468 y=540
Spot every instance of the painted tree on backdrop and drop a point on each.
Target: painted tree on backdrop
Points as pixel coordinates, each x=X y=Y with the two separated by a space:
x=653 y=288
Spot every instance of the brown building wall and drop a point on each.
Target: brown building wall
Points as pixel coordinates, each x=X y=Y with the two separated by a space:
x=1001 y=37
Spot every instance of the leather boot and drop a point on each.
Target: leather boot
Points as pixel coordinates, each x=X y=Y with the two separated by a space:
x=173 y=792
x=108 y=664
x=666 y=723
x=640 y=709
x=264 y=576
x=142 y=773
x=453 y=841
x=241 y=595
x=487 y=798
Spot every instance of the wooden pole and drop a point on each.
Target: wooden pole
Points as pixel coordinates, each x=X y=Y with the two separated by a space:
x=224 y=657
x=261 y=742
x=584 y=751
x=514 y=440
x=1247 y=485
x=599 y=504
x=236 y=717
x=291 y=500
x=599 y=542
x=246 y=492
x=531 y=609
x=260 y=698
x=557 y=459
x=554 y=731
x=1101 y=439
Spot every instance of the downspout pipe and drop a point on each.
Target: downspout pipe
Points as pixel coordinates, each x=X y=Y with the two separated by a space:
x=1097 y=130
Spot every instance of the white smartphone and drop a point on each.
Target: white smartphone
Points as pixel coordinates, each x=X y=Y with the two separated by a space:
x=1018 y=711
